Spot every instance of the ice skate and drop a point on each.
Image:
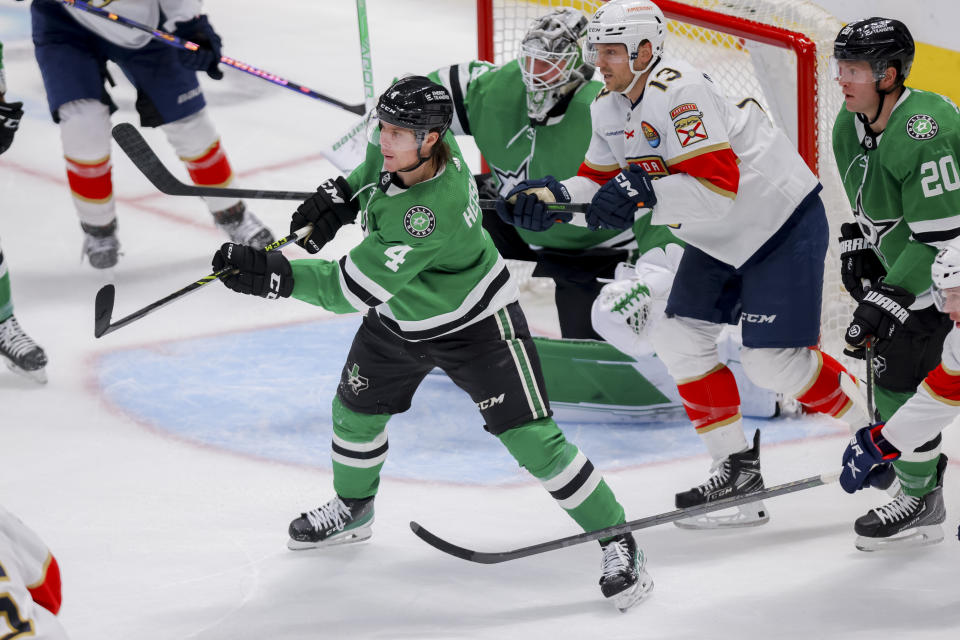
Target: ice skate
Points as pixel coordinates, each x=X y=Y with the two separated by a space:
x=736 y=475
x=624 y=580
x=340 y=521
x=906 y=521
x=100 y=245
x=22 y=355
x=242 y=226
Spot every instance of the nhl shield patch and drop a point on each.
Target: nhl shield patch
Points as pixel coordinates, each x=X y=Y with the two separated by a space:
x=419 y=221
x=922 y=127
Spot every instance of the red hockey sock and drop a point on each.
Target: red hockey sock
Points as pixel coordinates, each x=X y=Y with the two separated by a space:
x=211 y=168
x=90 y=181
x=712 y=400
x=823 y=393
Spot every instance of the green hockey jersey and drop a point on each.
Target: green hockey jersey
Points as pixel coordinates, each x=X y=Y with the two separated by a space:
x=490 y=104
x=425 y=264
x=905 y=189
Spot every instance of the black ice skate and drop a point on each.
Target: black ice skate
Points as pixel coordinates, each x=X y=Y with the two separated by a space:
x=735 y=475
x=906 y=521
x=22 y=355
x=100 y=245
x=340 y=521
x=242 y=226
x=624 y=580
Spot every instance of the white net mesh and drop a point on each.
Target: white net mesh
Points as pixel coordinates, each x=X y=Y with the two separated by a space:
x=744 y=68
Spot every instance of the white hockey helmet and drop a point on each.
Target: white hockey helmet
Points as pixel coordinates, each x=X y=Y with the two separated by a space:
x=628 y=22
x=945 y=272
x=551 y=61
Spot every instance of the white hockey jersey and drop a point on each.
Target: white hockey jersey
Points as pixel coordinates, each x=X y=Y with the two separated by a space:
x=143 y=11
x=935 y=404
x=725 y=178
x=29 y=583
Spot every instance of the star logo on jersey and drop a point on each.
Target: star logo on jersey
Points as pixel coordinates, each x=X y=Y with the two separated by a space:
x=510 y=179
x=873 y=230
x=419 y=221
x=355 y=381
x=922 y=127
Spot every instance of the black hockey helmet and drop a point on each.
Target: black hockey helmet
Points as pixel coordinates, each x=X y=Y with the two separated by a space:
x=416 y=102
x=883 y=42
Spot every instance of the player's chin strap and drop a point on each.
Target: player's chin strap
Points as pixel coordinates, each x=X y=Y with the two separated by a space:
x=421 y=136
x=638 y=74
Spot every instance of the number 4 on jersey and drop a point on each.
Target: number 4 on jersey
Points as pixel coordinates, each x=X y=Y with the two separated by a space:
x=397 y=255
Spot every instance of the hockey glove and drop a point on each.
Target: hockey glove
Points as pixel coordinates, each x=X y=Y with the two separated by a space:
x=880 y=314
x=865 y=459
x=617 y=203
x=207 y=57
x=327 y=210
x=10 y=114
x=860 y=268
x=524 y=205
x=258 y=272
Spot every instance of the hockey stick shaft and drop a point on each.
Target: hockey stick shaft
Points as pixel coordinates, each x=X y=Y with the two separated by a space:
x=366 y=60
x=131 y=141
x=174 y=41
x=103 y=308
x=634 y=525
x=871 y=373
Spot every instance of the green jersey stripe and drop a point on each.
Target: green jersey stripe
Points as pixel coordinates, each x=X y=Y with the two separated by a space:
x=364 y=284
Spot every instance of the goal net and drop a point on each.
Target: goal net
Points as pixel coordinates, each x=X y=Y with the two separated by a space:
x=775 y=51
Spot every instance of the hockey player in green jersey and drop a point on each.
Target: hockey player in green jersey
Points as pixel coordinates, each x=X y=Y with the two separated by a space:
x=21 y=354
x=436 y=294
x=897 y=149
x=531 y=118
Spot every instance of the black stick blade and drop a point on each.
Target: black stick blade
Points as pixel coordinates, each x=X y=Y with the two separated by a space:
x=454 y=550
x=103 y=310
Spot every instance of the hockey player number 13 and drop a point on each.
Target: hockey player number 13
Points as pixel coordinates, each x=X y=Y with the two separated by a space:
x=931 y=173
x=397 y=255
x=10 y=611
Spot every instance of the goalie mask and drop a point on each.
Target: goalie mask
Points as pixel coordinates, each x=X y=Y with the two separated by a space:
x=415 y=103
x=550 y=60
x=630 y=23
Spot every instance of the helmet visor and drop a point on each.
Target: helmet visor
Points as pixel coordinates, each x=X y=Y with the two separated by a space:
x=947 y=300
x=611 y=52
x=856 y=71
x=391 y=137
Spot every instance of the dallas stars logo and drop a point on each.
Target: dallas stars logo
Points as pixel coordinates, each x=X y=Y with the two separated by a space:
x=419 y=221
x=356 y=381
x=873 y=230
x=922 y=127
x=509 y=179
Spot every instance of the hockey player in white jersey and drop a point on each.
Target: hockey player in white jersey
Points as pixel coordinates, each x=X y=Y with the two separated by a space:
x=72 y=49
x=910 y=520
x=668 y=144
x=29 y=584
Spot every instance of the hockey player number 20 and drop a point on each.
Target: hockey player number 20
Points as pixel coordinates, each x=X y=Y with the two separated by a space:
x=932 y=172
x=397 y=255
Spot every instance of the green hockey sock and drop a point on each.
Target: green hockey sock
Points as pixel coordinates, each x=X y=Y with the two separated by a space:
x=359 y=451
x=541 y=448
x=917 y=479
x=6 y=302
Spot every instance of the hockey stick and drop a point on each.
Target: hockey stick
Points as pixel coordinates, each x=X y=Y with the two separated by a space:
x=103 y=306
x=133 y=144
x=495 y=557
x=366 y=63
x=174 y=41
x=868 y=355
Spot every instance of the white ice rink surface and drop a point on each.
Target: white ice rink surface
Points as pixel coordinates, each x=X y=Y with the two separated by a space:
x=162 y=535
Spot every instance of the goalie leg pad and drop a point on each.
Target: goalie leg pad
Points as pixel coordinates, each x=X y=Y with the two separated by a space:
x=564 y=471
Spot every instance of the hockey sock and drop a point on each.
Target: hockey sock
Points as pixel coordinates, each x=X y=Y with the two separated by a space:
x=85 y=135
x=822 y=394
x=197 y=142
x=917 y=470
x=712 y=402
x=359 y=451
x=6 y=302
x=541 y=448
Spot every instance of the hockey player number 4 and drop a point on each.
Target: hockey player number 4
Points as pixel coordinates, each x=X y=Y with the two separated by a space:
x=397 y=255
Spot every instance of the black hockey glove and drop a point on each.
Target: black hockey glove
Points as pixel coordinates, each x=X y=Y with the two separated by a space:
x=524 y=205
x=865 y=459
x=616 y=204
x=883 y=310
x=10 y=114
x=207 y=57
x=258 y=273
x=327 y=210
x=860 y=268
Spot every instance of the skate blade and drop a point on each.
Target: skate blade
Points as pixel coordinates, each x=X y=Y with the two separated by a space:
x=37 y=375
x=347 y=537
x=918 y=537
x=626 y=600
x=747 y=515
